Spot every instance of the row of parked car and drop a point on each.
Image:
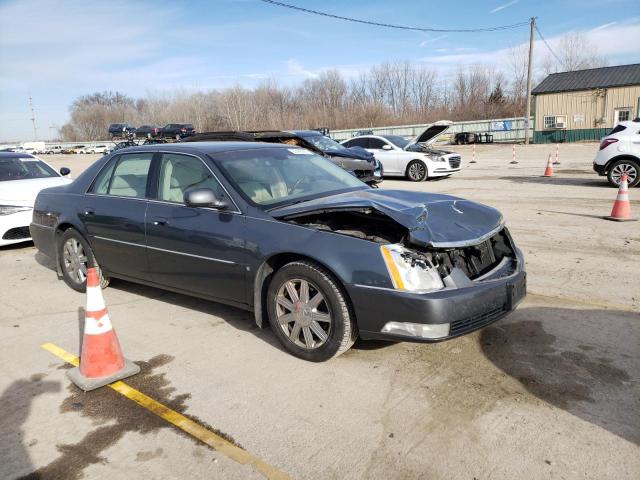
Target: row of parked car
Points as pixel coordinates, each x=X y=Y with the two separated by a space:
x=171 y=130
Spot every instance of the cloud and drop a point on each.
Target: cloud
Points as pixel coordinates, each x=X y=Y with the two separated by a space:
x=432 y=40
x=506 y=5
x=295 y=68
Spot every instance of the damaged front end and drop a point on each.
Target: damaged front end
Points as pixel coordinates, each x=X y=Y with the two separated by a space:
x=452 y=264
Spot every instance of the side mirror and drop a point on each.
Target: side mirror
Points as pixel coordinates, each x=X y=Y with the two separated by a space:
x=386 y=147
x=64 y=171
x=204 y=197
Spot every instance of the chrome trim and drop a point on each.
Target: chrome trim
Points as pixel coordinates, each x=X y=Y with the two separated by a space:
x=192 y=255
x=375 y=288
x=119 y=241
x=165 y=250
x=41 y=226
x=470 y=242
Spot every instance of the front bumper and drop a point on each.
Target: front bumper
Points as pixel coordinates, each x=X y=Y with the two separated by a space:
x=465 y=309
x=12 y=228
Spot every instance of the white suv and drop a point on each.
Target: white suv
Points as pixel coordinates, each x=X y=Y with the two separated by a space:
x=620 y=153
x=416 y=160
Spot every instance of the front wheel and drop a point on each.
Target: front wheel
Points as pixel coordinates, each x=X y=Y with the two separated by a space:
x=75 y=256
x=621 y=167
x=308 y=312
x=416 y=171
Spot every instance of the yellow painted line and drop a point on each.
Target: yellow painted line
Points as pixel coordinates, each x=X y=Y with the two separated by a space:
x=183 y=423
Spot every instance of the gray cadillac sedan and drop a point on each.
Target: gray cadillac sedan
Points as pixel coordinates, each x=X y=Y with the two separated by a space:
x=281 y=231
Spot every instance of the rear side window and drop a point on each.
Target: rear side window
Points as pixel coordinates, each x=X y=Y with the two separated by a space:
x=616 y=129
x=357 y=142
x=125 y=177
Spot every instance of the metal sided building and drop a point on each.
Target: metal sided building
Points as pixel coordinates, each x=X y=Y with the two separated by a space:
x=585 y=104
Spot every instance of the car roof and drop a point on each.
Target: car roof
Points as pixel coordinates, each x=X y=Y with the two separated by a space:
x=15 y=155
x=307 y=133
x=205 y=146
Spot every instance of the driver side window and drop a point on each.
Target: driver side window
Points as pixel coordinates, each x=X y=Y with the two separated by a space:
x=376 y=143
x=179 y=173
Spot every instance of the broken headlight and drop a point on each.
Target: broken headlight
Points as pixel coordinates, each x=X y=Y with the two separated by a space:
x=408 y=272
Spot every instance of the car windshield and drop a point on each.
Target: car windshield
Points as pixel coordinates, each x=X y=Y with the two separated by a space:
x=324 y=143
x=271 y=177
x=14 y=168
x=397 y=140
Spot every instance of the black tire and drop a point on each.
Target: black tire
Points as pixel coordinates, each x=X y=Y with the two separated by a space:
x=72 y=234
x=341 y=332
x=631 y=167
x=416 y=171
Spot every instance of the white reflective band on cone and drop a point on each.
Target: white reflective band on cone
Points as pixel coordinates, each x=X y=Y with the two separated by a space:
x=97 y=327
x=418 y=330
x=95 y=300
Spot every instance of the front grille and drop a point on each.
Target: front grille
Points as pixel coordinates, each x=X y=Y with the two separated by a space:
x=17 y=233
x=363 y=173
x=454 y=162
x=475 y=322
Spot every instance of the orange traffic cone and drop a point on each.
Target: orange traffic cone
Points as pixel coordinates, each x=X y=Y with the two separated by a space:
x=548 y=172
x=621 y=211
x=101 y=359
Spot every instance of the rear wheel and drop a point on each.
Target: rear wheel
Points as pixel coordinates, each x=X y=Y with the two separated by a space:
x=416 y=171
x=621 y=167
x=75 y=256
x=308 y=312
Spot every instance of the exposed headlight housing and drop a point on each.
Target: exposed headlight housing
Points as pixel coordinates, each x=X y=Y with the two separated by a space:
x=11 y=209
x=405 y=274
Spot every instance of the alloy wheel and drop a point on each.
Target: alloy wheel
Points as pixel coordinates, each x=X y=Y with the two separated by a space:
x=303 y=314
x=75 y=260
x=416 y=171
x=622 y=168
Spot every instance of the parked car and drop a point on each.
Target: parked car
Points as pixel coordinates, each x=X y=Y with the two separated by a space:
x=348 y=158
x=117 y=130
x=465 y=138
x=147 y=131
x=363 y=132
x=361 y=164
x=619 y=153
x=416 y=160
x=282 y=231
x=22 y=176
x=53 y=149
x=103 y=149
x=176 y=130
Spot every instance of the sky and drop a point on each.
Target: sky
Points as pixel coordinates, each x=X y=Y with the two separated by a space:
x=55 y=51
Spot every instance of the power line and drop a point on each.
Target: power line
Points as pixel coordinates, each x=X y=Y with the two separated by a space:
x=399 y=27
x=548 y=46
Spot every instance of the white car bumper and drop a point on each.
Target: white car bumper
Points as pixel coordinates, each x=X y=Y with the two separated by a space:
x=14 y=228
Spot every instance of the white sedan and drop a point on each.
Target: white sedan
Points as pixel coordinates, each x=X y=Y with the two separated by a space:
x=416 y=159
x=22 y=176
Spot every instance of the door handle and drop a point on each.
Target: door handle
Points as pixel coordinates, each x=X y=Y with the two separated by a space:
x=89 y=211
x=159 y=221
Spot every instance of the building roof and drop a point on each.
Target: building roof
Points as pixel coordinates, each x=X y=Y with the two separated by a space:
x=605 y=77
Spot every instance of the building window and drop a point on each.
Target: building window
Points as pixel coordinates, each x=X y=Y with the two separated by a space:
x=621 y=115
x=555 y=121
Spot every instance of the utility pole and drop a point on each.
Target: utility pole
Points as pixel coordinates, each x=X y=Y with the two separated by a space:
x=33 y=118
x=529 y=67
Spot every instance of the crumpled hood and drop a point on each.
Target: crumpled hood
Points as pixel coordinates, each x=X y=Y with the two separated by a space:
x=24 y=192
x=432 y=219
x=353 y=152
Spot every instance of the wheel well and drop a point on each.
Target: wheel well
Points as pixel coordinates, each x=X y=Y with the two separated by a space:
x=621 y=157
x=265 y=274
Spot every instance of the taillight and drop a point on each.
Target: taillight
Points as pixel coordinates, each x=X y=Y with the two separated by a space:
x=183 y=129
x=606 y=142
